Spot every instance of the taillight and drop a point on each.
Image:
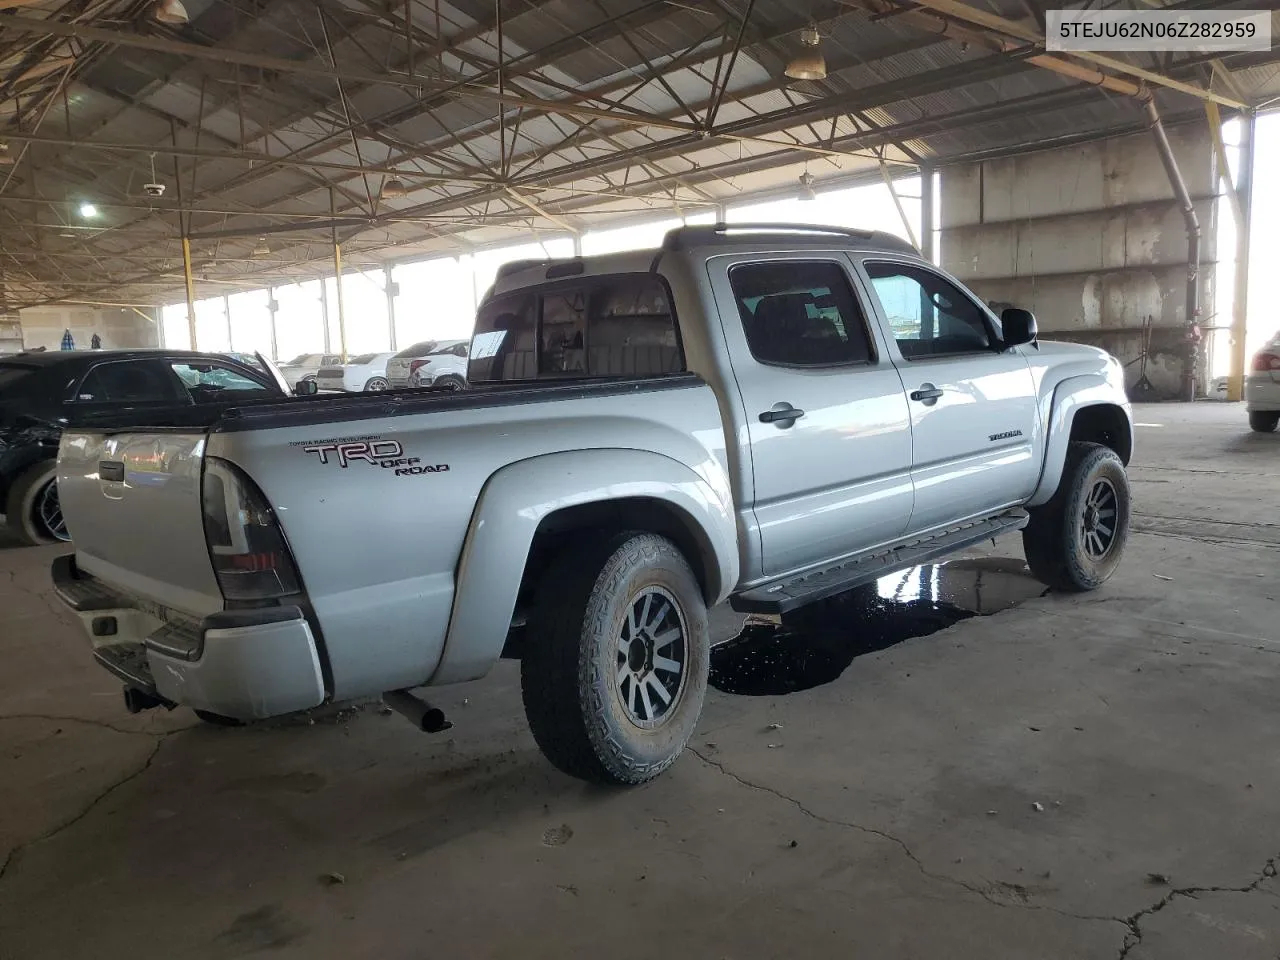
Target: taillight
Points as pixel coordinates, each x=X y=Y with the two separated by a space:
x=250 y=557
x=414 y=365
x=1265 y=362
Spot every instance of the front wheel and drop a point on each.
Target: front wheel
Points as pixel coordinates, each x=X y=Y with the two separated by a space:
x=376 y=384
x=615 y=670
x=1263 y=421
x=33 y=511
x=1074 y=542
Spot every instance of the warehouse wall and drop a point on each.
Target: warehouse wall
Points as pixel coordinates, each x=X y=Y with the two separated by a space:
x=1091 y=240
x=117 y=326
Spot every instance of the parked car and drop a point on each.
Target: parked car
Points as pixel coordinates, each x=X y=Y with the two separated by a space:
x=444 y=368
x=306 y=366
x=825 y=408
x=401 y=366
x=40 y=391
x=1262 y=388
x=367 y=372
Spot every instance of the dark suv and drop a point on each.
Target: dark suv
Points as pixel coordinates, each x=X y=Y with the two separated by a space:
x=40 y=391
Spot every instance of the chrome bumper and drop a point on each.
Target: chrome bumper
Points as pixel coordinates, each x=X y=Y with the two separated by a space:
x=245 y=664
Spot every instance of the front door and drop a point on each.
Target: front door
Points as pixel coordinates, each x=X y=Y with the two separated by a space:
x=822 y=407
x=974 y=422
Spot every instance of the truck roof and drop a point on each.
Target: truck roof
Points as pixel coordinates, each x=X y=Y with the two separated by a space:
x=710 y=238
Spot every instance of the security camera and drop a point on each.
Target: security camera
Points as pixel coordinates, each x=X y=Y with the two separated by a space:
x=154 y=189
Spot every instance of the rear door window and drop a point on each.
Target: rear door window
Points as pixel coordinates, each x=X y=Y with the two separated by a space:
x=608 y=327
x=128 y=381
x=12 y=380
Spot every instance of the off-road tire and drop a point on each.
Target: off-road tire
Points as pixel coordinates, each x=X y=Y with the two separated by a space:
x=1055 y=540
x=1263 y=421
x=20 y=514
x=569 y=670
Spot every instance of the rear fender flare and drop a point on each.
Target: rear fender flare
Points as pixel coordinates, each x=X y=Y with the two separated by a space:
x=1069 y=396
x=514 y=502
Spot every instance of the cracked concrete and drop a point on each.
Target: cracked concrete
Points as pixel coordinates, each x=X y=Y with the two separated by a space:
x=1004 y=788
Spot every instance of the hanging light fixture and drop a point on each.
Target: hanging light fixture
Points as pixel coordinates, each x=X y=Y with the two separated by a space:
x=806 y=186
x=809 y=64
x=261 y=250
x=6 y=158
x=88 y=210
x=392 y=189
x=170 y=11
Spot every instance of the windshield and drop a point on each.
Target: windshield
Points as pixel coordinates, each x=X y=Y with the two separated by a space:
x=418 y=349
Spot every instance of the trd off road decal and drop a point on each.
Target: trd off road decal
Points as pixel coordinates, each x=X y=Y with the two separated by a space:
x=386 y=454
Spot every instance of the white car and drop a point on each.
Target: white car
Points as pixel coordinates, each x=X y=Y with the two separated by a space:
x=1262 y=388
x=402 y=367
x=446 y=368
x=306 y=366
x=367 y=372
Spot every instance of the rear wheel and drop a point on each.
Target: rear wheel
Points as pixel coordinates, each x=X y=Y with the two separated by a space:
x=1074 y=542
x=375 y=384
x=33 y=511
x=450 y=383
x=615 y=670
x=1263 y=421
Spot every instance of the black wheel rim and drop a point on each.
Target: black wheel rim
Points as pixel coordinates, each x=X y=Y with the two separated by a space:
x=48 y=512
x=651 y=658
x=1099 y=525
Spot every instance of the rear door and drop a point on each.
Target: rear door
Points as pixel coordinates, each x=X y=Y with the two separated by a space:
x=974 y=421
x=826 y=418
x=118 y=384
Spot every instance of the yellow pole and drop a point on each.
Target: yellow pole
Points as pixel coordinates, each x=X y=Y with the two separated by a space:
x=342 y=320
x=191 y=290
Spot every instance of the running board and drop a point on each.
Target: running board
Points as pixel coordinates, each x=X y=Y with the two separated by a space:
x=818 y=585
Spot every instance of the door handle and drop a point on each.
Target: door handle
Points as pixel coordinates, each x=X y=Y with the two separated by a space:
x=783 y=414
x=928 y=394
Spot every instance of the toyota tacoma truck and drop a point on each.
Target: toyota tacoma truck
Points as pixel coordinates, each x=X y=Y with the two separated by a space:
x=765 y=415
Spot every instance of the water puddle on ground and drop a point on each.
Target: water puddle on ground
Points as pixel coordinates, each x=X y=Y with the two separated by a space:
x=815 y=645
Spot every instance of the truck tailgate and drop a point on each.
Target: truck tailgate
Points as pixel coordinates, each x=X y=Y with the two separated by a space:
x=132 y=504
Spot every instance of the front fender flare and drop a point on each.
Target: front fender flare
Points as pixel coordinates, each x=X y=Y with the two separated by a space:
x=1069 y=396
x=514 y=502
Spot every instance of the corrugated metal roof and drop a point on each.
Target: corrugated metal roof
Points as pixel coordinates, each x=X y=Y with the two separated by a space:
x=271 y=143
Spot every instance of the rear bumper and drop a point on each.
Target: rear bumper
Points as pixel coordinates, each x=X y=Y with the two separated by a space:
x=1261 y=393
x=246 y=664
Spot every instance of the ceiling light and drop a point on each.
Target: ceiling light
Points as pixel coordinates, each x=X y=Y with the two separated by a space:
x=6 y=158
x=806 y=186
x=261 y=250
x=393 y=189
x=809 y=64
x=88 y=211
x=170 y=11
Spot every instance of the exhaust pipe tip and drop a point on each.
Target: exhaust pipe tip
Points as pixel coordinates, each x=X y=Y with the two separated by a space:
x=423 y=715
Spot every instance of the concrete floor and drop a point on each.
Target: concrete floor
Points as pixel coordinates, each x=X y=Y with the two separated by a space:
x=1076 y=777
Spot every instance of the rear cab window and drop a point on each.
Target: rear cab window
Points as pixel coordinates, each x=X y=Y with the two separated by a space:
x=612 y=326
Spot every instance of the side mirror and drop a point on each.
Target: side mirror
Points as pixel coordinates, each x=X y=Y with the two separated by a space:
x=305 y=388
x=1019 y=326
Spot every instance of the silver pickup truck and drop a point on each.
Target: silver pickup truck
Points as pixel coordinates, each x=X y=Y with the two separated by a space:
x=762 y=415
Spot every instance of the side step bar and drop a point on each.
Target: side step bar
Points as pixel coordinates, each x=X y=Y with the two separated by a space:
x=787 y=595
